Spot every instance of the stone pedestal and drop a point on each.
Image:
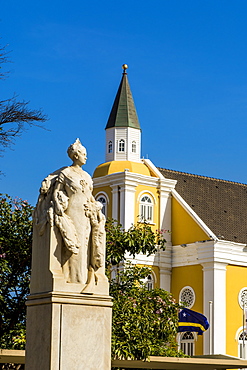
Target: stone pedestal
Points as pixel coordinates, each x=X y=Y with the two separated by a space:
x=66 y=328
x=68 y=331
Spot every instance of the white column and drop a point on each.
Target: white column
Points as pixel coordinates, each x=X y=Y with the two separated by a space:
x=165 y=224
x=122 y=205
x=165 y=278
x=214 y=288
x=115 y=201
x=127 y=202
x=165 y=211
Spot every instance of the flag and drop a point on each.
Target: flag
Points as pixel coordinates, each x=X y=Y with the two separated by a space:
x=189 y=320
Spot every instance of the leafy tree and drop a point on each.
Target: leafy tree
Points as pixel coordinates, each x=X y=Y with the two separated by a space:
x=15 y=115
x=144 y=321
x=138 y=238
x=15 y=264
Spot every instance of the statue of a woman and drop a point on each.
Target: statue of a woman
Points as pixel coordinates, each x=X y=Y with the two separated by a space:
x=66 y=202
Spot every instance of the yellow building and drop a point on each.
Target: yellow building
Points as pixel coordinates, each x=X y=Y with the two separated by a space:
x=205 y=259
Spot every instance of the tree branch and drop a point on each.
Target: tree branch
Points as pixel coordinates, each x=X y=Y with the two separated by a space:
x=16 y=115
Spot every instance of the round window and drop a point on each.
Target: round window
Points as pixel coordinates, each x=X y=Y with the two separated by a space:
x=187 y=296
x=242 y=298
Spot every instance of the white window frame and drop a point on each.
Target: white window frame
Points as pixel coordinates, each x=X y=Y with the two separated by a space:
x=242 y=346
x=103 y=195
x=121 y=146
x=150 y=281
x=146 y=208
x=192 y=294
x=110 y=147
x=133 y=146
x=242 y=295
x=187 y=345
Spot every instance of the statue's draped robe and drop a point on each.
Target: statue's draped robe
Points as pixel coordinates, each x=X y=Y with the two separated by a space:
x=76 y=188
x=66 y=202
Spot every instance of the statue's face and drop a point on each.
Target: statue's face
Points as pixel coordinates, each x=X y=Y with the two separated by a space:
x=82 y=155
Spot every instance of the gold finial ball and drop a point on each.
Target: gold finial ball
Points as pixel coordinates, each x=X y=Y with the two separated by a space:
x=125 y=66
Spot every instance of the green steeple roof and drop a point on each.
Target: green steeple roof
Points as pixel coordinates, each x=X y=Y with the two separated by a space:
x=123 y=113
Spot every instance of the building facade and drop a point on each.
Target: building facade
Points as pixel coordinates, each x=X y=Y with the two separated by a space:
x=204 y=221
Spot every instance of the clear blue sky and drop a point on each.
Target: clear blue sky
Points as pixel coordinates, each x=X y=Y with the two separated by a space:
x=187 y=71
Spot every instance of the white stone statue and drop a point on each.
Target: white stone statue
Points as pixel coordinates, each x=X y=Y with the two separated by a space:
x=67 y=205
x=69 y=291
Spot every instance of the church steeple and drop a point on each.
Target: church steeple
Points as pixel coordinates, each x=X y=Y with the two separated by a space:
x=123 y=113
x=123 y=132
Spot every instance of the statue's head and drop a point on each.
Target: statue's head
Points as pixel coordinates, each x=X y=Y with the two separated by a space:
x=76 y=151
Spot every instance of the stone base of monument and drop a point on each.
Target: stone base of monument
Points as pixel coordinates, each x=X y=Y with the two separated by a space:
x=68 y=331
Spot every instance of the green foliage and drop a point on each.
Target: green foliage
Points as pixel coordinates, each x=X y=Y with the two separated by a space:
x=138 y=238
x=144 y=322
x=15 y=263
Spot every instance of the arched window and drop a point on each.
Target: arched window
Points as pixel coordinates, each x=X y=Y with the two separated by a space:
x=133 y=146
x=187 y=343
x=102 y=199
x=149 y=281
x=121 y=145
x=110 y=147
x=242 y=345
x=146 y=208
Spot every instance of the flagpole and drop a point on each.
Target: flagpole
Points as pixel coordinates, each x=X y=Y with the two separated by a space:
x=179 y=341
x=211 y=327
x=243 y=329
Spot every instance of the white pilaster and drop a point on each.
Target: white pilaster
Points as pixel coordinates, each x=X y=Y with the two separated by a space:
x=127 y=201
x=164 y=260
x=214 y=288
x=165 y=212
x=122 y=205
x=115 y=201
x=165 y=278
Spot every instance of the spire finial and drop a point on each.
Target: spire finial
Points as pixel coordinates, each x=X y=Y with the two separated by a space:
x=124 y=66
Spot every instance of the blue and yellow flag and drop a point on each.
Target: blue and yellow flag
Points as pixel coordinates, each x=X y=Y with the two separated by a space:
x=189 y=320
